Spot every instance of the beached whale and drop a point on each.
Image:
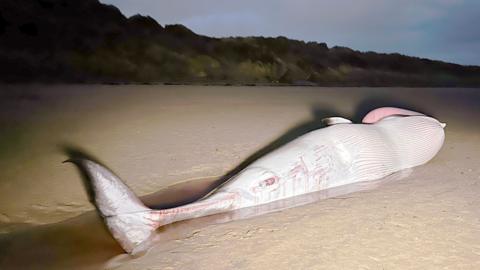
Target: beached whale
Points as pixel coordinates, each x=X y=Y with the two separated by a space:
x=388 y=140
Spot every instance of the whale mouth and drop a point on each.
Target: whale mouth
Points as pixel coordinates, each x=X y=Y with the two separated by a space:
x=384 y=112
x=391 y=112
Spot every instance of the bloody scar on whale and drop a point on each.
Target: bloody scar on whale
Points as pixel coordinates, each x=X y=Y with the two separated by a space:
x=388 y=140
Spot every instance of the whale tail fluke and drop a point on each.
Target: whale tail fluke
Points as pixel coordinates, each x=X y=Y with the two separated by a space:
x=128 y=219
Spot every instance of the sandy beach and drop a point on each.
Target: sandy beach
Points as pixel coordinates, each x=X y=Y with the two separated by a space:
x=155 y=137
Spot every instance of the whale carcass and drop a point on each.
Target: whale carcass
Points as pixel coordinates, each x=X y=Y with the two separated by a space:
x=387 y=141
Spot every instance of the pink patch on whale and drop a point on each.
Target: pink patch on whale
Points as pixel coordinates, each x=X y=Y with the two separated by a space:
x=380 y=113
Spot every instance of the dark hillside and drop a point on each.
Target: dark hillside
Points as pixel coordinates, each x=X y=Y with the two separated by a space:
x=86 y=41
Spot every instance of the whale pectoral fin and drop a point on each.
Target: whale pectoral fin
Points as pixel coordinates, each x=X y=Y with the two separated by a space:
x=329 y=121
x=128 y=219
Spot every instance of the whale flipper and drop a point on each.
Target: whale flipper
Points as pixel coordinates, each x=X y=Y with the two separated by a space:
x=128 y=219
x=330 y=121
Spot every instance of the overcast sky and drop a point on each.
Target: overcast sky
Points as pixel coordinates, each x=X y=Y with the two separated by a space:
x=446 y=30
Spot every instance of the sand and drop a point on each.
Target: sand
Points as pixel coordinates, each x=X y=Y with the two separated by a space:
x=156 y=136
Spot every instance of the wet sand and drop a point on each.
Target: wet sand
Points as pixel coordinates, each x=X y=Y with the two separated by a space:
x=156 y=136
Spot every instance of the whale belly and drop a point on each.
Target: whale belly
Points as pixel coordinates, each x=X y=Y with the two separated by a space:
x=321 y=159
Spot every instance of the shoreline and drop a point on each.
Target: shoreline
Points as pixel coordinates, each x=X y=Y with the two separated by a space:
x=232 y=84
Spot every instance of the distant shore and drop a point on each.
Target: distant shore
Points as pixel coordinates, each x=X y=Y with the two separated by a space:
x=235 y=84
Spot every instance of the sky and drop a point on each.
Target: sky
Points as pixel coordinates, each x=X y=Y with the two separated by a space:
x=447 y=30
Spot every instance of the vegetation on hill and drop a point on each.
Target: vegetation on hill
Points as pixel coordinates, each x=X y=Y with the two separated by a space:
x=86 y=41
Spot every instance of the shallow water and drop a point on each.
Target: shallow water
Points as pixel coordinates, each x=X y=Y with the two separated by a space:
x=158 y=136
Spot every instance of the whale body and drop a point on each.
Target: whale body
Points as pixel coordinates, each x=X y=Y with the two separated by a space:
x=388 y=140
